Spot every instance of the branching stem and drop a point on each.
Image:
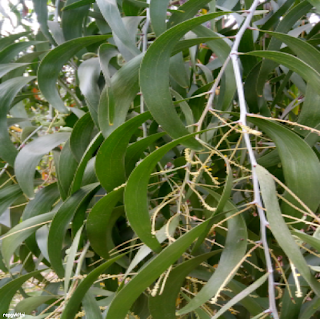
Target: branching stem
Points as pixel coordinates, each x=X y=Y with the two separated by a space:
x=243 y=123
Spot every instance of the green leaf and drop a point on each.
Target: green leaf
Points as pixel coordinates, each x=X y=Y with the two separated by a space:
x=8 y=195
x=106 y=53
x=310 y=115
x=310 y=308
x=280 y=230
x=29 y=157
x=178 y=70
x=88 y=74
x=289 y=19
x=316 y=4
x=72 y=20
x=14 y=238
x=161 y=235
x=77 y=4
x=81 y=136
x=135 y=150
x=100 y=221
x=234 y=251
x=6 y=68
x=135 y=196
x=186 y=44
x=186 y=11
x=110 y=12
x=114 y=108
x=301 y=173
x=158 y=16
x=154 y=78
x=310 y=240
x=79 y=174
x=29 y=304
x=110 y=162
x=9 y=290
x=71 y=256
x=305 y=51
x=8 y=90
x=41 y=10
x=53 y=62
x=6 y=41
x=146 y=276
x=90 y=306
x=164 y=305
x=295 y=64
x=241 y=295
x=8 y=54
x=60 y=224
x=74 y=302
x=66 y=169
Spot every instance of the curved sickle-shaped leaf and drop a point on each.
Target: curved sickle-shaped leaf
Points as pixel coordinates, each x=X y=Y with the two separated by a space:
x=81 y=136
x=186 y=44
x=110 y=12
x=8 y=291
x=114 y=108
x=29 y=157
x=71 y=257
x=66 y=169
x=88 y=73
x=136 y=149
x=8 y=195
x=162 y=235
x=305 y=51
x=71 y=21
x=235 y=248
x=20 y=232
x=164 y=305
x=110 y=162
x=52 y=63
x=93 y=146
x=154 y=78
x=135 y=196
x=310 y=240
x=289 y=19
x=30 y=304
x=74 y=302
x=301 y=173
x=41 y=10
x=42 y=202
x=61 y=221
x=98 y=223
x=310 y=308
x=146 y=276
x=310 y=114
x=6 y=41
x=8 y=54
x=7 y=67
x=78 y=4
x=158 y=15
x=106 y=53
x=8 y=91
x=186 y=11
x=250 y=289
x=293 y=63
x=280 y=230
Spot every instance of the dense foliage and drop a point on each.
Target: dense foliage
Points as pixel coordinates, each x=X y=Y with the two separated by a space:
x=160 y=159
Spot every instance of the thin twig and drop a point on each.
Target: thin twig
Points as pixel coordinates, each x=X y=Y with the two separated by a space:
x=243 y=123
